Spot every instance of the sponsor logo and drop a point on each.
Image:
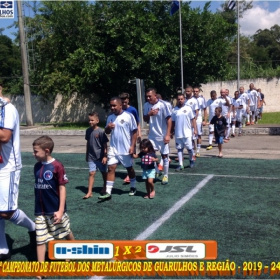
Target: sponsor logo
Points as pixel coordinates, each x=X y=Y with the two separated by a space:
x=175 y=250
x=87 y=250
x=6 y=9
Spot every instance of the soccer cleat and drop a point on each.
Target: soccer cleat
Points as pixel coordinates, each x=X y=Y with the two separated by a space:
x=248 y=123
x=160 y=167
x=197 y=154
x=105 y=196
x=179 y=168
x=192 y=163
x=233 y=135
x=209 y=147
x=164 y=180
x=126 y=179
x=132 y=191
x=4 y=257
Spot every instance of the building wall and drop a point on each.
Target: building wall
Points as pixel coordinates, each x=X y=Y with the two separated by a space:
x=76 y=108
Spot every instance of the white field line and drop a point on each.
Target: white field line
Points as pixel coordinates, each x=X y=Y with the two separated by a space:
x=176 y=173
x=177 y=205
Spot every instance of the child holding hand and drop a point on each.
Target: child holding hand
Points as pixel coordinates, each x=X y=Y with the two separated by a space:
x=148 y=158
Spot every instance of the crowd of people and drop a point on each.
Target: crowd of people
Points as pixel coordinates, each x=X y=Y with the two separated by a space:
x=184 y=121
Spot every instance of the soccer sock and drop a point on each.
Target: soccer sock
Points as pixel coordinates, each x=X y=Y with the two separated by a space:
x=109 y=186
x=248 y=117
x=156 y=168
x=233 y=129
x=19 y=218
x=161 y=161
x=4 y=249
x=165 y=166
x=180 y=157
x=198 y=148
x=240 y=129
x=190 y=154
x=132 y=183
x=228 y=132
x=211 y=138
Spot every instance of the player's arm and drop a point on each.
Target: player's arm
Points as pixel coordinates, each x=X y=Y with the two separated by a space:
x=5 y=135
x=133 y=141
x=205 y=116
x=169 y=124
x=139 y=136
x=104 y=159
x=194 y=126
x=172 y=129
x=62 y=199
x=87 y=151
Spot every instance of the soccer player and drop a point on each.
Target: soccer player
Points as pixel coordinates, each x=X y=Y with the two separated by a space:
x=254 y=102
x=227 y=113
x=246 y=109
x=199 y=121
x=52 y=221
x=127 y=107
x=212 y=104
x=157 y=113
x=238 y=112
x=10 y=169
x=123 y=129
x=262 y=101
x=183 y=120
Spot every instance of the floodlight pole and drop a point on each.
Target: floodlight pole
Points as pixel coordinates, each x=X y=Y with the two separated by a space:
x=238 y=46
x=181 y=47
x=26 y=85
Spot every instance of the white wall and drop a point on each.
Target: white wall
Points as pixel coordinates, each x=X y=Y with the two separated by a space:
x=76 y=108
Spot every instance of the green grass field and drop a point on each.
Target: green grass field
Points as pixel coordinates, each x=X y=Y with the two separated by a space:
x=238 y=207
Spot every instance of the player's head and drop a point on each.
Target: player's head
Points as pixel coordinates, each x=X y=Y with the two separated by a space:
x=42 y=148
x=189 y=92
x=223 y=92
x=213 y=94
x=151 y=95
x=159 y=96
x=227 y=92
x=116 y=105
x=259 y=90
x=218 y=111
x=146 y=146
x=181 y=99
x=125 y=99
x=196 y=92
x=93 y=119
x=236 y=94
x=251 y=86
x=241 y=90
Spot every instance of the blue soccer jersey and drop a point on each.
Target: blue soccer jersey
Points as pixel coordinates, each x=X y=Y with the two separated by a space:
x=48 y=177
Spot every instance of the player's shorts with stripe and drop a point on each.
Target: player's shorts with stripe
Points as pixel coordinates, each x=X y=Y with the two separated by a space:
x=46 y=230
x=160 y=146
x=115 y=158
x=9 y=184
x=185 y=142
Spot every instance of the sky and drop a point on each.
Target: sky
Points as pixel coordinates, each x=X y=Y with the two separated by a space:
x=264 y=14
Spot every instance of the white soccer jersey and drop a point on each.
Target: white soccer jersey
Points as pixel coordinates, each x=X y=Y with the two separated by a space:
x=225 y=108
x=182 y=118
x=213 y=104
x=157 y=123
x=121 y=135
x=9 y=119
x=193 y=103
x=252 y=94
x=201 y=106
x=244 y=96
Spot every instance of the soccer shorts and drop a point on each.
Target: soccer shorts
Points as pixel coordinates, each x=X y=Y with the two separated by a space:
x=46 y=230
x=160 y=146
x=97 y=165
x=9 y=184
x=199 y=128
x=114 y=158
x=148 y=173
x=185 y=142
x=211 y=128
x=253 y=108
